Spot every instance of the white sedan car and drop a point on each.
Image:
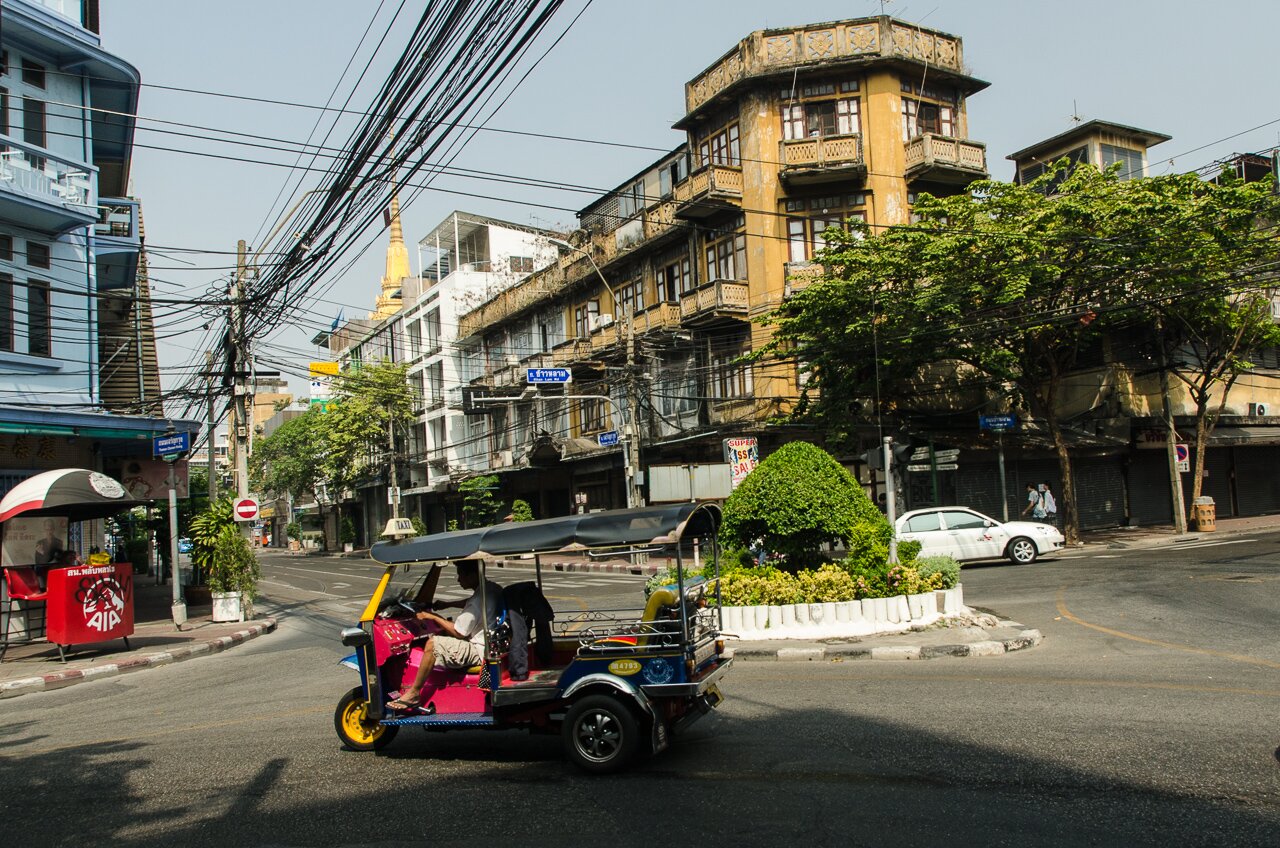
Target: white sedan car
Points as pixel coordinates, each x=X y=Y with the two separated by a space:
x=963 y=534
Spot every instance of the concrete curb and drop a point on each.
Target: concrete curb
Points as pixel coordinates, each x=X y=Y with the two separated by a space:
x=1025 y=638
x=63 y=679
x=589 y=567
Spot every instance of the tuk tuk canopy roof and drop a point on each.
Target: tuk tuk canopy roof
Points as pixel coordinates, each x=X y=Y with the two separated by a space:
x=654 y=525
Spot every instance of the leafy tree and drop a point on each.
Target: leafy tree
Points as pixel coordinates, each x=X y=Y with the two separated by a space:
x=521 y=511
x=1204 y=244
x=797 y=499
x=480 y=502
x=291 y=460
x=1011 y=288
x=369 y=404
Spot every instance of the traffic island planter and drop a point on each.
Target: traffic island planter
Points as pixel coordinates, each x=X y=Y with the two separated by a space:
x=845 y=618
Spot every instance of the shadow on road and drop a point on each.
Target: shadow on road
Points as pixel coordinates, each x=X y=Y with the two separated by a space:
x=859 y=781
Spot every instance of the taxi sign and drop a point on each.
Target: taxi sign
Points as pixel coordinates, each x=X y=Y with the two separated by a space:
x=245 y=509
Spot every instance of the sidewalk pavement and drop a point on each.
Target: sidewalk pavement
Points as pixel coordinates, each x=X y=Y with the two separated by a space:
x=35 y=667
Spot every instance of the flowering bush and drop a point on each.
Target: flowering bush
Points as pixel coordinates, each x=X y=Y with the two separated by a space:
x=941 y=572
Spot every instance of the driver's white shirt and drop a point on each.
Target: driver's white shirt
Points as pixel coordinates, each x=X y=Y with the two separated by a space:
x=467 y=623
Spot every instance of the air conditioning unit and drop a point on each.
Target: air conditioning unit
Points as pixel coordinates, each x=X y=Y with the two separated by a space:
x=1258 y=410
x=504 y=459
x=595 y=322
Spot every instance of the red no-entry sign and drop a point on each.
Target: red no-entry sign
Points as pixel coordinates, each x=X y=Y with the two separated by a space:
x=246 y=509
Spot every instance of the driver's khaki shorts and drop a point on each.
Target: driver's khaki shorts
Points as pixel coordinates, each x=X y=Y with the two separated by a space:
x=457 y=653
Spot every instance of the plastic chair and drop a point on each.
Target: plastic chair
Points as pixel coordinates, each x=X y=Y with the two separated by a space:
x=23 y=584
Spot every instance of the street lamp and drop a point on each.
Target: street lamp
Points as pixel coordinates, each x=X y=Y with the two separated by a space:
x=632 y=433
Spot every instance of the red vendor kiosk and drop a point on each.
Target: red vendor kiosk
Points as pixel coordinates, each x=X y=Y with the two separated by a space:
x=81 y=603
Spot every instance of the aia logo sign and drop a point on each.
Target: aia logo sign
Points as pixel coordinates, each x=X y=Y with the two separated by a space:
x=102 y=600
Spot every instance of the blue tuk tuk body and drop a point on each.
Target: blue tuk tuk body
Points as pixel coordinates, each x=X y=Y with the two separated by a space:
x=613 y=683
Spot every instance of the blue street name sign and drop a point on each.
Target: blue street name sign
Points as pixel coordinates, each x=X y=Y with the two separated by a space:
x=608 y=438
x=171 y=445
x=997 y=422
x=548 y=375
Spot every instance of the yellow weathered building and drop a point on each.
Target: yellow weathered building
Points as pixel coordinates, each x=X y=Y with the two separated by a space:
x=791 y=132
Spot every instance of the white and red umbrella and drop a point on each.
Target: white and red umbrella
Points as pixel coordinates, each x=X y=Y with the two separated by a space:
x=76 y=493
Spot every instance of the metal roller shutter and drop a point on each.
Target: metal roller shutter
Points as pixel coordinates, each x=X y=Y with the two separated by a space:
x=1100 y=492
x=1149 y=497
x=1257 y=481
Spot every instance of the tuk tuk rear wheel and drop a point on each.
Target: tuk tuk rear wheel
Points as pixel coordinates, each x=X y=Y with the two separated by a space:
x=601 y=734
x=357 y=730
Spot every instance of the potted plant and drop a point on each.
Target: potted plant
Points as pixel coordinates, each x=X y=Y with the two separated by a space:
x=347 y=534
x=206 y=528
x=294 y=531
x=233 y=576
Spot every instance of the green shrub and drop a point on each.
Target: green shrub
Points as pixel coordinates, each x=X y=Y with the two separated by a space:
x=828 y=584
x=759 y=586
x=521 y=511
x=233 y=566
x=347 y=531
x=942 y=572
x=419 y=526
x=293 y=530
x=206 y=529
x=798 y=499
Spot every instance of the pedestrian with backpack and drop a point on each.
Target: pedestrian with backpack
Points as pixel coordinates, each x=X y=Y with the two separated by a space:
x=1035 y=503
x=1050 y=505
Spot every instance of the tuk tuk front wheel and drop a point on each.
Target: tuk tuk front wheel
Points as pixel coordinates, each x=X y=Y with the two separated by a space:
x=356 y=728
x=601 y=734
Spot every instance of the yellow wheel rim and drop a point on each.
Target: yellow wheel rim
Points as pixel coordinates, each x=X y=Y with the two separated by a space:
x=355 y=724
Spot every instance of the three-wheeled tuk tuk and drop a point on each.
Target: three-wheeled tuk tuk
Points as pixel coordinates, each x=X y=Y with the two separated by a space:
x=613 y=683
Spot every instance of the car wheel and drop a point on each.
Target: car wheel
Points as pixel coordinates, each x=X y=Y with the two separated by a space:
x=357 y=730
x=601 y=734
x=1021 y=550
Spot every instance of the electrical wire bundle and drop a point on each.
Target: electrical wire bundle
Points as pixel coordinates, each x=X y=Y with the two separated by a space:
x=455 y=59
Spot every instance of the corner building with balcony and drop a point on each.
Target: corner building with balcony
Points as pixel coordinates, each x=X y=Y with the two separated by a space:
x=79 y=382
x=792 y=132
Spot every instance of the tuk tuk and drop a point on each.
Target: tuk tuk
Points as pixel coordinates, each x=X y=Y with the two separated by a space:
x=614 y=683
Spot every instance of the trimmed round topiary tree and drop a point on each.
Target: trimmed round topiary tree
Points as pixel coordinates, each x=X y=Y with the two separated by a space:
x=798 y=499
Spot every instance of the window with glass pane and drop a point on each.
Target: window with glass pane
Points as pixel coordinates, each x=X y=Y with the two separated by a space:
x=39 y=319
x=432 y=325
x=919 y=117
x=33 y=130
x=674 y=278
x=957 y=520
x=924 y=523
x=631 y=297
x=583 y=317
x=721 y=148
x=727 y=377
x=413 y=341
x=6 y=312
x=727 y=258
x=592 y=416
x=796 y=240
x=1130 y=161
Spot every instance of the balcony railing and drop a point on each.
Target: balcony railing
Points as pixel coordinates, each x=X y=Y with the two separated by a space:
x=604 y=337
x=714 y=299
x=801 y=275
x=661 y=316
x=66 y=188
x=573 y=350
x=709 y=190
x=117 y=218
x=942 y=157
x=822 y=152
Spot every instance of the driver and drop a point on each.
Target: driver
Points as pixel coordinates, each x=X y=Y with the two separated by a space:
x=461 y=641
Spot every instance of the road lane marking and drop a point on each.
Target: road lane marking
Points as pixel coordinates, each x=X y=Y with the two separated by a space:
x=1184 y=547
x=301 y=589
x=1069 y=616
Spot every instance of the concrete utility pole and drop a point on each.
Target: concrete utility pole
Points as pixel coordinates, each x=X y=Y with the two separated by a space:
x=890 y=499
x=1171 y=440
x=212 y=433
x=240 y=399
x=393 y=490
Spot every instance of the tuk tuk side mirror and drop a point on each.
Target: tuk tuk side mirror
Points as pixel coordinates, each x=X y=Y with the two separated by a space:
x=355 y=637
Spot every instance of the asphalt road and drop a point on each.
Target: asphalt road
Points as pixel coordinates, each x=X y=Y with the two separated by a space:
x=1148 y=716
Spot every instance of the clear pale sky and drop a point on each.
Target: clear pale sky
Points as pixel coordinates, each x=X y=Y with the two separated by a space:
x=1194 y=70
